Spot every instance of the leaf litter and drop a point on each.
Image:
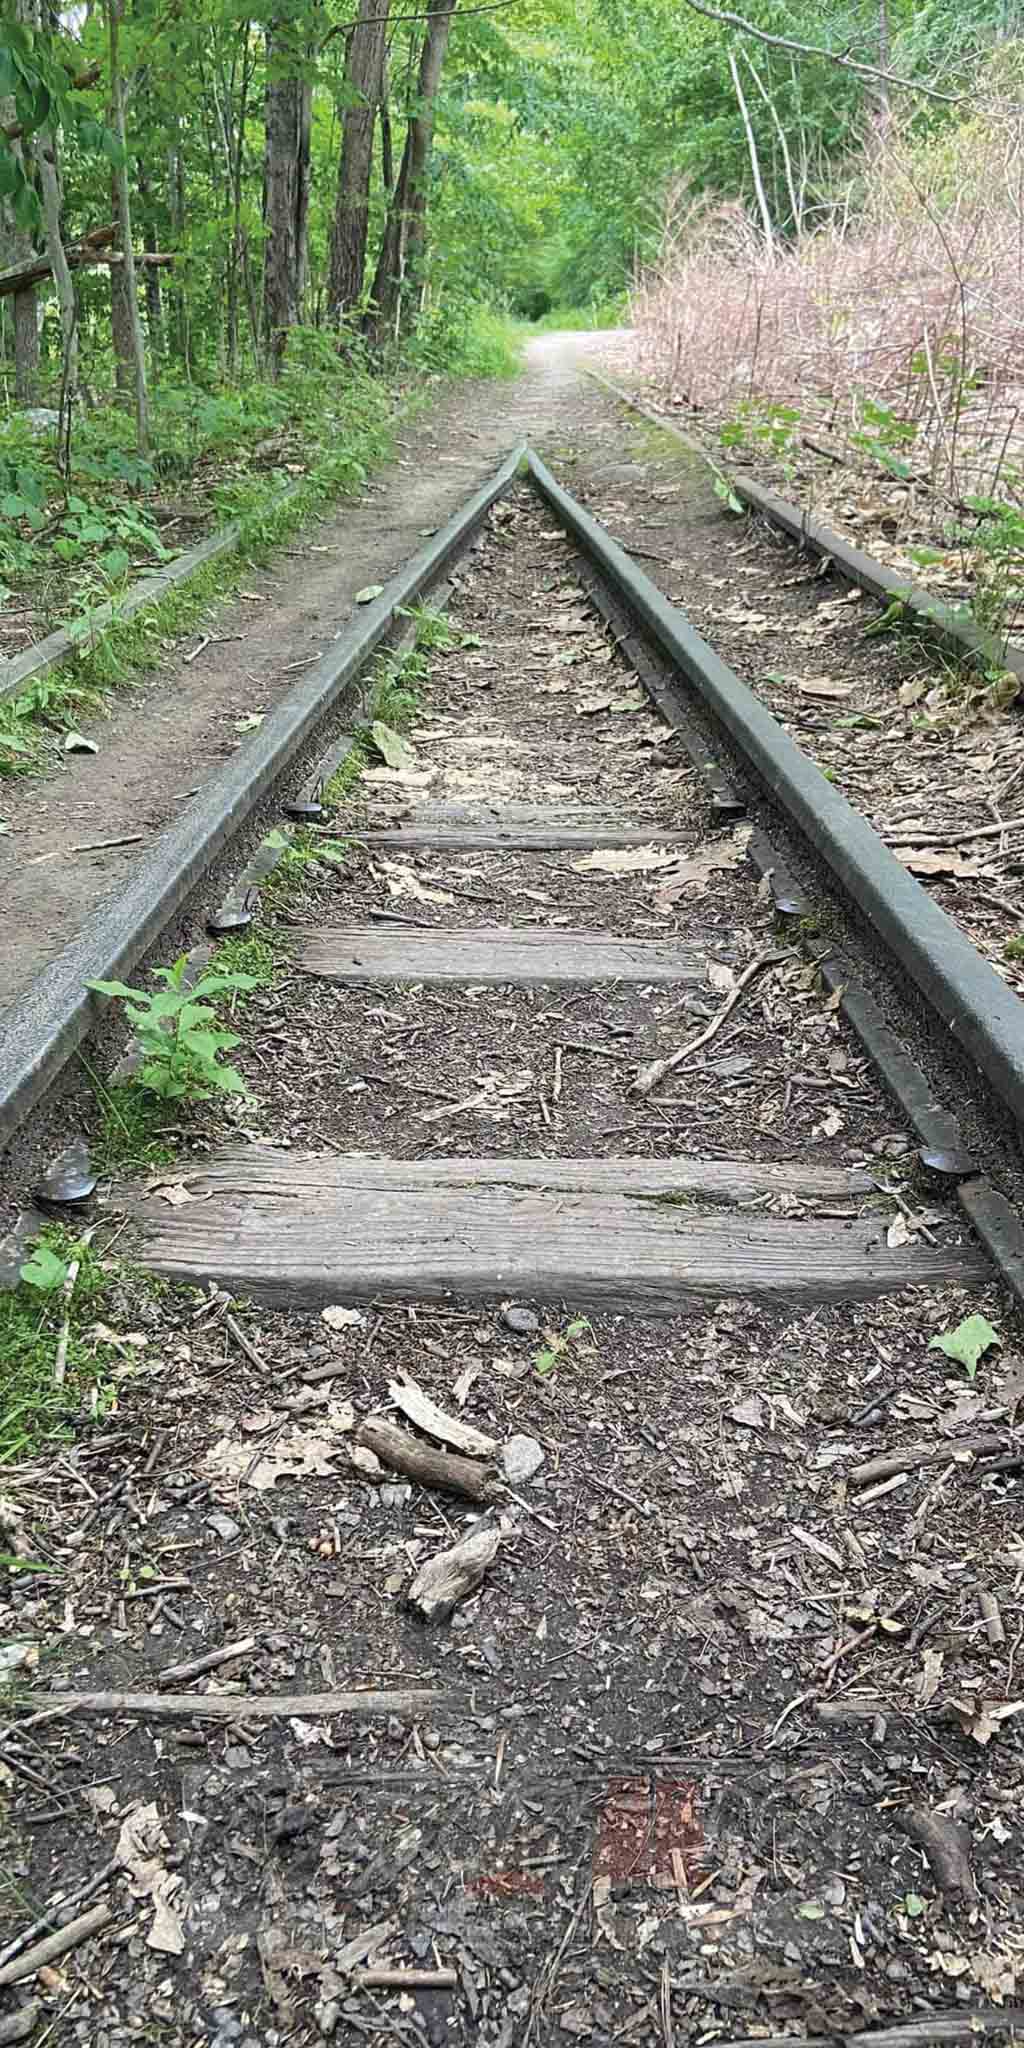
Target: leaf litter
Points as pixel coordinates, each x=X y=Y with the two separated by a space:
x=697 y=1664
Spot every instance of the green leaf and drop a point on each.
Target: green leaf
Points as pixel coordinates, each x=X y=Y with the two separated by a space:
x=544 y=1361
x=44 y=1270
x=811 y=1910
x=117 y=988
x=967 y=1344
x=914 y=1905
x=367 y=596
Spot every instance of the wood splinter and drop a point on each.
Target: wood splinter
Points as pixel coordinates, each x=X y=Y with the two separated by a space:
x=946 y=1844
x=453 y=1574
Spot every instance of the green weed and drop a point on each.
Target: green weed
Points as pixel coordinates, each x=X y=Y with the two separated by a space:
x=179 y=1033
x=557 y=1343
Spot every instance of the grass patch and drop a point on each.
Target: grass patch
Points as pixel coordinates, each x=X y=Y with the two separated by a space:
x=133 y=1131
x=258 y=952
x=1014 y=948
x=34 y=1410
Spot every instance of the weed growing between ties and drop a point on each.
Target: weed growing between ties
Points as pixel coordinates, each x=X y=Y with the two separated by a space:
x=179 y=1033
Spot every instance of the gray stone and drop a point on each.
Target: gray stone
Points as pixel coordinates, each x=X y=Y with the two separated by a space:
x=521 y=1457
x=223 y=1526
x=521 y=1321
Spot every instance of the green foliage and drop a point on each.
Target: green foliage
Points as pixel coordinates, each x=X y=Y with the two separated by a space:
x=557 y=1343
x=44 y=1270
x=179 y=1033
x=968 y=1343
x=32 y=1408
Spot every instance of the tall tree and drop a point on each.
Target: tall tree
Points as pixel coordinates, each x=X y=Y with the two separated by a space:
x=289 y=96
x=126 y=297
x=363 y=89
x=402 y=245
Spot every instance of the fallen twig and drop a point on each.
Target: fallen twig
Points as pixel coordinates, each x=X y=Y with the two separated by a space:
x=405 y=1980
x=452 y=1574
x=908 y=1460
x=235 y=1330
x=60 y=1363
x=216 y=1706
x=395 y=1447
x=448 y=1429
x=988 y=1607
x=59 y=1904
x=195 y=1666
x=936 y=2031
x=649 y=1077
x=57 y=1944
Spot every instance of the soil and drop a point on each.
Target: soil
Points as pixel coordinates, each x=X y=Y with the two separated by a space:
x=688 y=1725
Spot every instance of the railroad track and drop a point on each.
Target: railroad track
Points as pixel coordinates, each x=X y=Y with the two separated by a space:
x=593 y=1255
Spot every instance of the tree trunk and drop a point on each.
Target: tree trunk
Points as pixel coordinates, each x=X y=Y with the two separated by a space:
x=120 y=310
x=405 y=227
x=129 y=309
x=45 y=152
x=364 y=76
x=285 y=201
x=755 y=161
x=17 y=244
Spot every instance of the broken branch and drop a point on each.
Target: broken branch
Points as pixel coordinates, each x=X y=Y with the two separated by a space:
x=649 y=1077
x=215 y=1706
x=395 y=1447
x=57 y=1944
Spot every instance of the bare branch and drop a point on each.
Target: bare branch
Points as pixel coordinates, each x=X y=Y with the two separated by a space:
x=728 y=19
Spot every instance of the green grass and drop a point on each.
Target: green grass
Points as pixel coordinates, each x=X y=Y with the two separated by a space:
x=34 y=1410
x=258 y=952
x=1014 y=948
x=134 y=1129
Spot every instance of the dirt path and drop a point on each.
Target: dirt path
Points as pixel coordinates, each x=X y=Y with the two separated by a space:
x=161 y=740
x=719 y=1694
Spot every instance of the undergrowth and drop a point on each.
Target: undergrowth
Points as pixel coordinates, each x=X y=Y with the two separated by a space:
x=34 y=1408
x=212 y=438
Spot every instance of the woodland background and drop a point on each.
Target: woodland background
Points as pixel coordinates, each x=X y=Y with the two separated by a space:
x=228 y=238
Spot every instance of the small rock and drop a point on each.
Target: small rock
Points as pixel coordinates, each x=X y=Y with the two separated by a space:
x=327 y=2016
x=521 y=1321
x=292 y=1821
x=520 y=1459
x=222 y=1525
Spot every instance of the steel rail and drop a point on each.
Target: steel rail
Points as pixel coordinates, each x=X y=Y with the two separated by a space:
x=887 y=585
x=961 y=989
x=50 y=1020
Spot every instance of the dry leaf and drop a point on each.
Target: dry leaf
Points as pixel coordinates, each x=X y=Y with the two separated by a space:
x=141 y=1839
x=297 y=1454
x=931 y=1677
x=938 y=861
x=721 y=977
x=981 y=1719
x=401 y=881
x=338 y=1318
x=897 y=1234
x=823 y=686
